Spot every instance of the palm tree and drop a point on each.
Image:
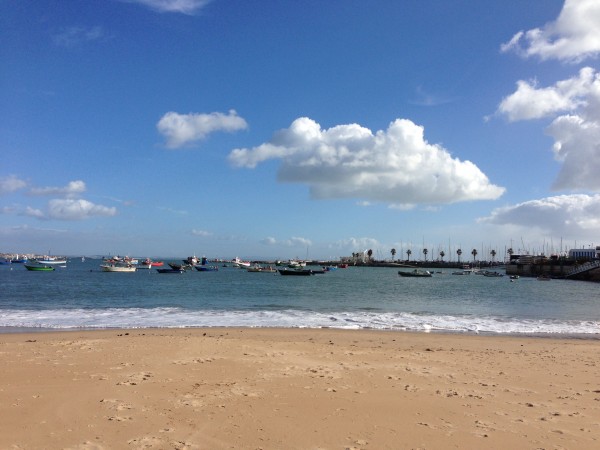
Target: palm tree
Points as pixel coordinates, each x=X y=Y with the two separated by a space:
x=493 y=253
x=510 y=252
x=474 y=253
x=459 y=252
x=370 y=254
x=425 y=251
x=408 y=253
x=442 y=254
x=393 y=252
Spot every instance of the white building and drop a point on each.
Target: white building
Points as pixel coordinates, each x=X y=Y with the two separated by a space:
x=585 y=253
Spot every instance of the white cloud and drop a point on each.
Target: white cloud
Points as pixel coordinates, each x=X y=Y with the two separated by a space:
x=188 y=7
x=70 y=209
x=531 y=102
x=74 y=36
x=356 y=244
x=292 y=242
x=569 y=216
x=184 y=129
x=396 y=166
x=11 y=183
x=201 y=233
x=573 y=36
x=576 y=135
x=73 y=189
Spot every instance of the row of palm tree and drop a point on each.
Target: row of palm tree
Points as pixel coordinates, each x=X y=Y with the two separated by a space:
x=442 y=254
x=426 y=252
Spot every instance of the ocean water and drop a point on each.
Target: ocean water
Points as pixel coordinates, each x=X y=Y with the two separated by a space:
x=81 y=296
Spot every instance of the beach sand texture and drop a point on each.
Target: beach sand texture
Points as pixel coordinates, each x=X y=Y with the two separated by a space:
x=296 y=389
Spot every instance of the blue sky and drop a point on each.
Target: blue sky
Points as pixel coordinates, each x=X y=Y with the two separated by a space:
x=290 y=129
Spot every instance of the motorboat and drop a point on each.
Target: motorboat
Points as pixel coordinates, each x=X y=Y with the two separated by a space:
x=170 y=270
x=37 y=267
x=415 y=273
x=261 y=269
x=118 y=268
x=300 y=272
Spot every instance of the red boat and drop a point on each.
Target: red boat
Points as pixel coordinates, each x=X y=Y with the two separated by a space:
x=148 y=263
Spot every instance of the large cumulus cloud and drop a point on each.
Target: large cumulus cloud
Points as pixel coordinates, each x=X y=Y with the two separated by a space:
x=395 y=166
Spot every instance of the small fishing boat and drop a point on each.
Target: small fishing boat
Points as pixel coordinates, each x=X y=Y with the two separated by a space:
x=261 y=269
x=170 y=270
x=52 y=260
x=206 y=268
x=297 y=272
x=487 y=273
x=148 y=264
x=118 y=268
x=176 y=266
x=415 y=273
x=39 y=267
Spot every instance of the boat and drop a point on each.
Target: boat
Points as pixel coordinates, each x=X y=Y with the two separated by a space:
x=36 y=267
x=184 y=266
x=300 y=272
x=237 y=262
x=191 y=260
x=118 y=268
x=51 y=260
x=295 y=263
x=148 y=264
x=544 y=277
x=487 y=273
x=170 y=270
x=514 y=277
x=415 y=273
x=343 y=266
x=206 y=268
x=261 y=269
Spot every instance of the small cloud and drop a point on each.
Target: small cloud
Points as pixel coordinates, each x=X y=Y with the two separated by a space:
x=424 y=98
x=189 y=7
x=394 y=166
x=69 y=209
x=70 y=37
x=292 y=242
x=73 y=189
x=184 y=129
x=572 y=37
x=11 y=183
x=181 y=212
x=201 y=233
x=353 y=244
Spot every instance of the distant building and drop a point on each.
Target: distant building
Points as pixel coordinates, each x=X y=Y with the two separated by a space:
x=585 y=253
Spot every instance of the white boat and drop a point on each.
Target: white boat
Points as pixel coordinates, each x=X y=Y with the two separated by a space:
x=51 y=260
x=261 y=269
x=117 y=268
x=237 y=262
x=295 y=263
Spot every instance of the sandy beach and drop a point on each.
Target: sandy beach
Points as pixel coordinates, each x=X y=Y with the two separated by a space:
x=296 y=389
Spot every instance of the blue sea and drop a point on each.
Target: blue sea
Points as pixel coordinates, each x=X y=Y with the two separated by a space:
x=80 y=296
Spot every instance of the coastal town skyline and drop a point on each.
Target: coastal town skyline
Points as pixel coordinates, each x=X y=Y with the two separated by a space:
x=312 y=131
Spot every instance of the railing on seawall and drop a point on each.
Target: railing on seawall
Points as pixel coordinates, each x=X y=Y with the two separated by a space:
x=583 y=268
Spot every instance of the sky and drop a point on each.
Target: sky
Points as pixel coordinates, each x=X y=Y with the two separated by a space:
x=307 y=129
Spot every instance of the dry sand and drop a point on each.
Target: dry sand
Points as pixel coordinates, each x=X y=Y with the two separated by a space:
x=296 y=389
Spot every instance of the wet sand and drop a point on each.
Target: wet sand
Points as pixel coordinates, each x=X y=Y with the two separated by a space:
x=296 y=389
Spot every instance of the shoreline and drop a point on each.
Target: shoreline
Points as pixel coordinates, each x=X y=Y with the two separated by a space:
x=566 y=336
x=296 y=388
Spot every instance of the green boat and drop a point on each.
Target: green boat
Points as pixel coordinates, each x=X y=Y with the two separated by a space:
x=39 y=267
